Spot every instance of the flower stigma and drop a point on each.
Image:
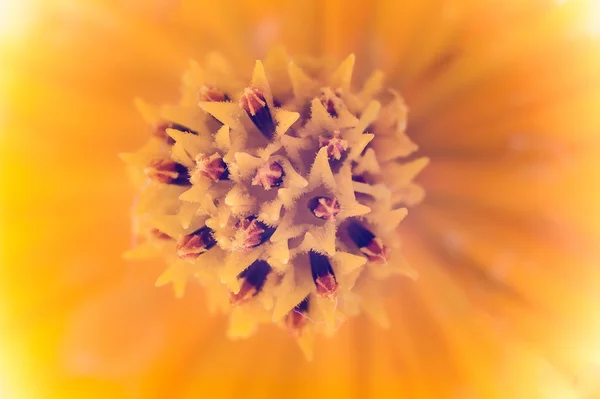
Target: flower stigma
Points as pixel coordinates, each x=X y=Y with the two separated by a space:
x=280 y=194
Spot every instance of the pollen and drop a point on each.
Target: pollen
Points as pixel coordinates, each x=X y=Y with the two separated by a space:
x=280 y=194
x=268 y=176
x=250 y=233
x=336 y=146
x=253 y=278
x=191 y=246
x=254 y=103
x=166 y=171
x=212 y=167
x=325 y=208
x=211 y=93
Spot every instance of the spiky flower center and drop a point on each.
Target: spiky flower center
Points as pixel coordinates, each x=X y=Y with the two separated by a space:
x=281 y=194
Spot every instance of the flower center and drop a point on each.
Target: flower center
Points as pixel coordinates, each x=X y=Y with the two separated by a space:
x=281 y=194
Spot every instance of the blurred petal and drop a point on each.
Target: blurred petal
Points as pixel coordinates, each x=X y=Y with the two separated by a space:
x=503 y=98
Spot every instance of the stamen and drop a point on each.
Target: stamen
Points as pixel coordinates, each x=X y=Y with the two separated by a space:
x=250 y=233
x=159 y=235
x=336 y=146
x=370 y=245
x=254 y=103
x=167 y=172
x=160 y=130
x=269 y=175
x=212 y=167
x=359 y=178
x=376 y=252
x=324 y=207
x=331 y=100
x=297 y=318
x=193 y=245
x=254 y=277
x=327 y=286
x=212 y=94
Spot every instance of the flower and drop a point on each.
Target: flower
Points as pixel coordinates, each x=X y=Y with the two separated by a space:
x=502 y=97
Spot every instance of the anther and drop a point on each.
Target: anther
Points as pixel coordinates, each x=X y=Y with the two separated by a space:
x=254 y=103
x=297 y=317
x=212 y=167
x=212 y=94
x=253 y=279
x=322 y=273
x=370 y=245
x=336 y=146
x=167 y=172
x=193 y=245
x=331 y=100
x=324 y=207
x=268 y=176
x=250 y=233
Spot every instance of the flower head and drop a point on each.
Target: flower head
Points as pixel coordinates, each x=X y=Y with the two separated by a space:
x=279 y=192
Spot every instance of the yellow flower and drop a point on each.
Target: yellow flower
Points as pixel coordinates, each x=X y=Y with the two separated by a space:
x=503 y=98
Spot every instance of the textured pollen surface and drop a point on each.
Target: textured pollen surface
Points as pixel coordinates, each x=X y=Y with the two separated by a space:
x=279 y=192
